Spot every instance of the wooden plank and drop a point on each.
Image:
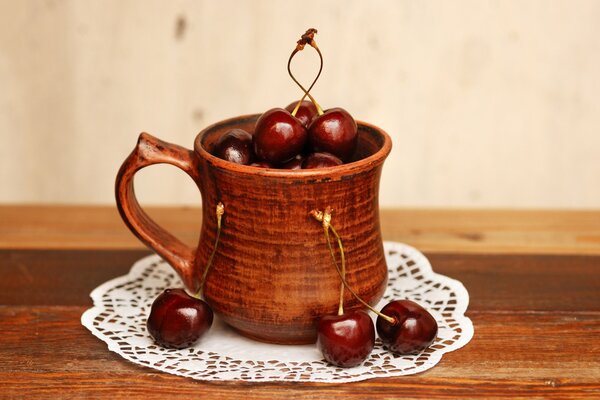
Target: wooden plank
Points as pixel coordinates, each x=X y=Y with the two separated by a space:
x=495 y=231
x=431 y=230
x=54 y=277
x=537 y=355
x=162 y=386
x=86 y=227
x=533 y=277
x=525 y=282
x=495 y=282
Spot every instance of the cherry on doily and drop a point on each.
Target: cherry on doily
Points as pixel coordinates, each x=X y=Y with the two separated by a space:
x=177 y=320
x=414 y=330
x=346 y=340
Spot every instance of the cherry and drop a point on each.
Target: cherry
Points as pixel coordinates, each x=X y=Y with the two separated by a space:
x=403 y=326
x=294 y=163
x=261 y=164
x=278 y=136
x=321 y=160
x=346 y=340
x=177 y=320
x=335 y=132
x=234 y=146
x=305 y=113
x=413 y=331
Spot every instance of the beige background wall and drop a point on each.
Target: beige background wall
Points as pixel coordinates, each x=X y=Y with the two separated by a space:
x=491 y=104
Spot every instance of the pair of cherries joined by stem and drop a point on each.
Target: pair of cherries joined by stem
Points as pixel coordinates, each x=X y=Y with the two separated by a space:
x=301 y=136
x=347 y=339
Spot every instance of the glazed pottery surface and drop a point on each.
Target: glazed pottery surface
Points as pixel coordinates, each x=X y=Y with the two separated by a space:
x=272 y=276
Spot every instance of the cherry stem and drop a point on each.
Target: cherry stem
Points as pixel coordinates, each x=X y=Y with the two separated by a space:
x=326 y=227
x=321 y=217
x=307 y=38
x=220 y=210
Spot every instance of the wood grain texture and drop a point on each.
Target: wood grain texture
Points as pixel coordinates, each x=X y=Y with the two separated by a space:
x=431 y=230
x=516 y=354
x=536 y=315
x=495 y=282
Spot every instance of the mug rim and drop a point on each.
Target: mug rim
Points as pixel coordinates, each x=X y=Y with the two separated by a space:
x=345 y=169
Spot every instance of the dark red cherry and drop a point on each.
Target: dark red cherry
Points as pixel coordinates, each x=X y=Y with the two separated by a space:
x=334 y=132
x=235 y=146
x=177 y=320
x=261 y=164
x=306 y=112
x=346 y=340
x=321 y=160
x=415 y=328
x=278 y=136
x=294 y=163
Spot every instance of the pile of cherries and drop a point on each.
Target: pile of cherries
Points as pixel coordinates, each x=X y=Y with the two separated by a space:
x=294 y=138
x=301 y=136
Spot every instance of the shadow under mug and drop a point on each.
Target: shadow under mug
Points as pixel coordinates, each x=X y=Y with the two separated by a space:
x=272 y=276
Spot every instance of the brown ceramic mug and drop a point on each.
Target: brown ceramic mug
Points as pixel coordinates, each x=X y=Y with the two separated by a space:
x=272 y=276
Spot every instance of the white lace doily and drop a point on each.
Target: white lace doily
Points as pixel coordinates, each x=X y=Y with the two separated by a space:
x=121 y=306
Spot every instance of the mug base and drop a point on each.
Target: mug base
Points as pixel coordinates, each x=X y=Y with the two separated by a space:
x=296 y=340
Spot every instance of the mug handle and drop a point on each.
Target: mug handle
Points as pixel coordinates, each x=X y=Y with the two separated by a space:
x=150 y=150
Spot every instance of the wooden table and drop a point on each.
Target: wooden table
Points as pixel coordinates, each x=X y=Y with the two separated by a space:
x=533 y=277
